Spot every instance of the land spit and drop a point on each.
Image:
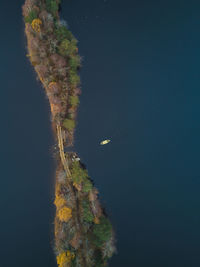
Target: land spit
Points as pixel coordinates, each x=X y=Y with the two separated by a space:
x=83 y=234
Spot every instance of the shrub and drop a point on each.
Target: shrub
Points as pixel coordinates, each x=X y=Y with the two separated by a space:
x=31 y=16
x=102 y=231
x=69 y=124
x=74 y=100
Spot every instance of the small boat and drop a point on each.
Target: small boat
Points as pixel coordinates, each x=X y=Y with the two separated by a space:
x=104 y=142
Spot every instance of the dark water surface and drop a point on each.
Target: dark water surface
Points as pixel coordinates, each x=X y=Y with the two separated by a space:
x=141 y=88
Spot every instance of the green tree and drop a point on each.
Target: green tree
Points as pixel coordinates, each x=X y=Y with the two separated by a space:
x=74 y=100
x=87 y=185
x=78 y=173
x=69 y=124
x=64 y=47
x=31 y=16
x=63 y=33
x=99 y=260
x=87 y=214
x=102 y=231
x=52 y=6
x=67 y=48
x=74 y=78
x=75 y=62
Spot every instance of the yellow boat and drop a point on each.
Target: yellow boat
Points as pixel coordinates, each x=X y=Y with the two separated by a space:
x=104 y=142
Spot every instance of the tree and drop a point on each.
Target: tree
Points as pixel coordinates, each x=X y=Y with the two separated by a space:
x=63 y=33
x=31 y=16
x=87 y=214
x=64 y=214
x=78 y=173
x=69 y=124
x=74 y=100
x=80 y=177
x=64 y=258
x=74 y=78
x=75 y=62
x=87 y=185
x=52 y=6
x=102 y=231
x=67 y=47
x=59 y=202
x=36 y=23
x=64 y=47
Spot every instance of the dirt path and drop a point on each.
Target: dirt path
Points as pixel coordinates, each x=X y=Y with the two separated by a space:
x=62 y=154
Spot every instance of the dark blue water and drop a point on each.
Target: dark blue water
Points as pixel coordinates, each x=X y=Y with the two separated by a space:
x=140 y=84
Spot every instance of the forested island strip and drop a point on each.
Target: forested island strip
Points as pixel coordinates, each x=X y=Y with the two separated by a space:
x=83 y=233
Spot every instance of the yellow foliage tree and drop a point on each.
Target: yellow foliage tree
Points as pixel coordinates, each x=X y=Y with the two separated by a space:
x=59 y=202
x=64 y=258
x=64 y=214
x=36 y=23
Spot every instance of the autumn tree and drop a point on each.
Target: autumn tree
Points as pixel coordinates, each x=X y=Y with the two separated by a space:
x=64 y=214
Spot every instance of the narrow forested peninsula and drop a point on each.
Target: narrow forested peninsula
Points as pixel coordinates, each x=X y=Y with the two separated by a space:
x=83 y=234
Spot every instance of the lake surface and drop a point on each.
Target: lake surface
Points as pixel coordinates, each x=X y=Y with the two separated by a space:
x=141 y=89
